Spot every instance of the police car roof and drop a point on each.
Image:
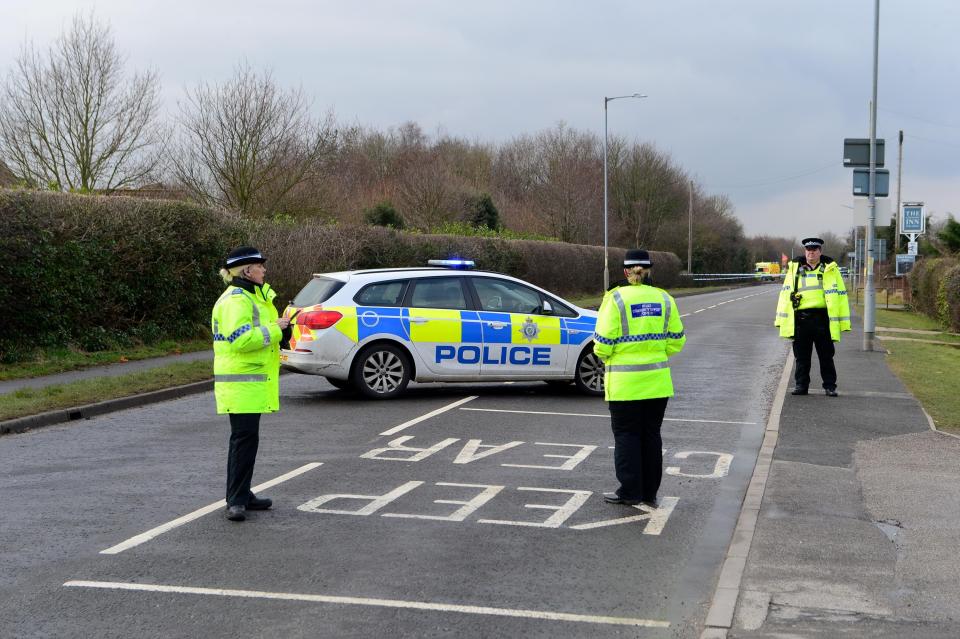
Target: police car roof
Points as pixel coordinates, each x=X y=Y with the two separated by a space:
x=423 y=270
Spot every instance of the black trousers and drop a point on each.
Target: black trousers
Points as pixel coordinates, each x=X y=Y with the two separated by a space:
x=637 y=451
x=812 y=328
x=242 y=455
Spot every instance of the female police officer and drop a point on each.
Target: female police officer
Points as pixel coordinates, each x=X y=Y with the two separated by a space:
x=638 y=328
x=246 y=337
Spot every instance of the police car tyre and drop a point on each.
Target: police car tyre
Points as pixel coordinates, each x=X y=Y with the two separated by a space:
x=589 y=373
x=342 y=384
x=381 y=371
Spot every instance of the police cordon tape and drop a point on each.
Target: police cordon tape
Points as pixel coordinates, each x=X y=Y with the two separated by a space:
x=712 y=277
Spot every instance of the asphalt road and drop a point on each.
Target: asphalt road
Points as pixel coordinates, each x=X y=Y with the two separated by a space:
x=485 y=518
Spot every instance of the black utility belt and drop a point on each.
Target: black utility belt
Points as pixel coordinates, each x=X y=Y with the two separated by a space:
x=811 y=312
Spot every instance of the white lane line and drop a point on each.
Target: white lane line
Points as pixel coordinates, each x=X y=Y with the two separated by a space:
x=159 y=530
x=365 y=601
x=433 y=413
x=685 y=314
x=714 y=306
x=607 y=415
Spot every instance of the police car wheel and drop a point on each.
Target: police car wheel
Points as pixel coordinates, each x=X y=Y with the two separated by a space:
x=342 y=384
x=589 y=373
x=382 y=371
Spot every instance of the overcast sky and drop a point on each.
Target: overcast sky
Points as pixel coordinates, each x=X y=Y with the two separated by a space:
x=753 y=97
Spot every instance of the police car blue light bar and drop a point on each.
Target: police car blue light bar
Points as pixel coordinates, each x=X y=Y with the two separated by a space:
x=461 y=264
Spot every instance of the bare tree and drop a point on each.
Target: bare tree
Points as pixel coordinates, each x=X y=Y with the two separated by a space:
x=648 y=192
x=556 y=174
x=246 y=144
x=70 y=119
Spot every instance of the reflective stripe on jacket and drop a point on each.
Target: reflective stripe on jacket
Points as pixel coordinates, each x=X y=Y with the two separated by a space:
x=826 y=291
x=246 y=350
x=638 y=328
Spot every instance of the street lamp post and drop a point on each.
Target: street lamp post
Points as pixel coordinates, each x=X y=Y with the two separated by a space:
x=606 y=260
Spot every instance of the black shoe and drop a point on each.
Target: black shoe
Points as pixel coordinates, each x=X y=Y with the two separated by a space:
x=614 y=498
x=651 y=503
x=236 y=513
x=259 y=503
x=830 y=392
x=799 y=391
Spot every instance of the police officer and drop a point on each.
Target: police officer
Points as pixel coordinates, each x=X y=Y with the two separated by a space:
x=638 y=328
x=246 y=346
x=813 y=310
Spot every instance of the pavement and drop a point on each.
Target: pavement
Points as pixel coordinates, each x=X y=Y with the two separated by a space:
x=850 y=525
x=858 y=526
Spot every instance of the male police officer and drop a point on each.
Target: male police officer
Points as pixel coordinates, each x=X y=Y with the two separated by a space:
x=813 y=310
x=638 y=328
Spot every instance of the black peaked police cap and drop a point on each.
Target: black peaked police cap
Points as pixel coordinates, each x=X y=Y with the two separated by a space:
x=636 y=257
x=243 y=255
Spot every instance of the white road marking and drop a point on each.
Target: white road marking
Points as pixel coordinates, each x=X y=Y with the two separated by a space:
x=656 y=518
x=176 y=523
x=541 y=412
x=433 y=413
x=714 y=306
x=700 y=310
x=365 y=601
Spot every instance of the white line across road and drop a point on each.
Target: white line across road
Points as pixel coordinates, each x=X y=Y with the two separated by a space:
x=364 y=601
x=176 y=523
x=433 y=413
x=605 y=415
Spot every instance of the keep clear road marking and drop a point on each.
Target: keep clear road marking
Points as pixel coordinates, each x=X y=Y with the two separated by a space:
x=540 y=412
x=382 y=603
x=433 y=413
x=176 y=523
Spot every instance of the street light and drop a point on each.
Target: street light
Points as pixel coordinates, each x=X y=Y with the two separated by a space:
x=606 y=261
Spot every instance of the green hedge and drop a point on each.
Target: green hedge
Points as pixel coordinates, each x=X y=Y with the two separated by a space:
x=295 y=252
x=99 y=272
x=935 y=288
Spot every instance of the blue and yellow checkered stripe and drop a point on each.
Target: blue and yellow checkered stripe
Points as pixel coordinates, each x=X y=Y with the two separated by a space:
x=463 y=327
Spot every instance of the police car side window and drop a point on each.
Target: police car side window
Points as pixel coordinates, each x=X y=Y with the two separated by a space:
x=438 y=292
x=506 y=296
x=382 y=294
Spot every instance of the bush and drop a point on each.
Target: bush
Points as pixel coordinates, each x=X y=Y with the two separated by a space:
x=951 y=295
x=383 y=214
x=484 y=214
x=98 y=271
x=929 y=287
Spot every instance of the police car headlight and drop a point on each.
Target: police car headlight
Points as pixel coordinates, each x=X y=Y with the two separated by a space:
x=319 y=319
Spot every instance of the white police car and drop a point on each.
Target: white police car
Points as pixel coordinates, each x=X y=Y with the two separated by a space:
x=375 y=330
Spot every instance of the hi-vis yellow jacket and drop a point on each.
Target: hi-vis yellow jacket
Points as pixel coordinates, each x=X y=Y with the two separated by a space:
x=246 y=350
x=821 y=287
x=638 y=328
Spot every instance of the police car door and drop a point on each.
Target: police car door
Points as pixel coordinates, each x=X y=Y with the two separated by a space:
x=520 y=337
x=443 y=329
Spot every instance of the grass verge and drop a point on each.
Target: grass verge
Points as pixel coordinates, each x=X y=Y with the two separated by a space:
x=931 y=372
x=31 y=401
x=61 y=360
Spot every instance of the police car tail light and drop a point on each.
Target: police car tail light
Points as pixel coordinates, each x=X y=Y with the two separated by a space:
x=319 y=319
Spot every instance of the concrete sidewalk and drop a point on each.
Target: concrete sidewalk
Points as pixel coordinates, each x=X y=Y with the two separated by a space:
x=859 y=525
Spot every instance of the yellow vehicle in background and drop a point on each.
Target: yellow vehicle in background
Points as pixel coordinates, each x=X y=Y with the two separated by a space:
x=766 y=270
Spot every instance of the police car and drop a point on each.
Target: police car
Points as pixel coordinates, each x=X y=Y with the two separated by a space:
x=375 y=330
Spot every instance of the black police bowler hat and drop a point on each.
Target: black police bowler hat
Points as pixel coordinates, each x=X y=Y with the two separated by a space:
x=636 y=257
x=812 y=242
x=244 y=255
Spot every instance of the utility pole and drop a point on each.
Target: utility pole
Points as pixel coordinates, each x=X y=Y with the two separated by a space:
x=869 y=294
x=896 y=242
x=690 y=232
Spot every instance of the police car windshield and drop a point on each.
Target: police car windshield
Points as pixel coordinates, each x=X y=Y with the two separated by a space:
x=317 y=291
